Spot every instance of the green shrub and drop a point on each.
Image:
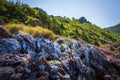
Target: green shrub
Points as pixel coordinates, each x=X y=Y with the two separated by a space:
x=3 y=20
x=15 y=21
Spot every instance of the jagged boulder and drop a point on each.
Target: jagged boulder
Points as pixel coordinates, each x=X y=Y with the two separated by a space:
x=45 y=47
x=26 y=42
x=83 y=20
x=9 y=46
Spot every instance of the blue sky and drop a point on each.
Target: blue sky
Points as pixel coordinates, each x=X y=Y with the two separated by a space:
x=103 y=13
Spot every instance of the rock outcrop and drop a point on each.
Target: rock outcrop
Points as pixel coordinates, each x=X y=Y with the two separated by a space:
x=4 y=33
x=83 y=20
x=8 y=45
x=28 y=58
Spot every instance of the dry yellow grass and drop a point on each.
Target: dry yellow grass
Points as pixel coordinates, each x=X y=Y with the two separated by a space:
x=34 y=31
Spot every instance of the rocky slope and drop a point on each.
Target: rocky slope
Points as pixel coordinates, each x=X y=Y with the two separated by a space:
x=26 y=58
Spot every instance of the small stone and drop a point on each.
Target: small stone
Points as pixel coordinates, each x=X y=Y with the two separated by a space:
x=42 y=67
x=19 y=69
x=18 y=75
x=55 y=77
x=54 y=70
x=28 y=70
x=107 y=76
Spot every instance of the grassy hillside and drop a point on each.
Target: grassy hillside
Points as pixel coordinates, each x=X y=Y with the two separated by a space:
x=18 y=13
x=115 y=29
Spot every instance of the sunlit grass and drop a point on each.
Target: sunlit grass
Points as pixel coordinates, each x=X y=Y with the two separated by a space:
x=56 y=61
x=34 y=31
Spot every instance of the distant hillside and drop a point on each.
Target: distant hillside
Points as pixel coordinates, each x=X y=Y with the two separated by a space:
x=19 y=13
x=115 y=29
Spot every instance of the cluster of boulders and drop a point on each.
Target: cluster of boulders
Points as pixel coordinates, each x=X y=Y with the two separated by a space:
x=26 y=58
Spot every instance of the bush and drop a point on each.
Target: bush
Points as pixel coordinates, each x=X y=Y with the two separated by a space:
x=33 y=22
x=3 y=20
x=15 y=21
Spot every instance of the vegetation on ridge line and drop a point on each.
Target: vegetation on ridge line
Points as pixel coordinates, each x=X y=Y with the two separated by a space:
x=115 y=29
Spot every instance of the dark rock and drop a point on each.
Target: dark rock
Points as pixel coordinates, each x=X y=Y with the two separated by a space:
x=6 y=73
x=17 y=76
x=13 y=60
x=19 y=69
x=54 y=70
x=45 y=76
x=28 y=70
x=60 y=41
x=54 y=77
x=4 y=33
x=83 y=20
x=32 y=77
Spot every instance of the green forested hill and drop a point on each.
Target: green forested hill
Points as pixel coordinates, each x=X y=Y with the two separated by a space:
x=115 y=29
x=18 y=13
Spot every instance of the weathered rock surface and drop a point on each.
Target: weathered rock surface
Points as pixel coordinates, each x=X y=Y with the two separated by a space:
x=26 y=42
x=8 y=45
x=38 y=58
x=6 y=73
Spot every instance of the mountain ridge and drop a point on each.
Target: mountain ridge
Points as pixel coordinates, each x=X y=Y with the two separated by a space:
x=115 y=28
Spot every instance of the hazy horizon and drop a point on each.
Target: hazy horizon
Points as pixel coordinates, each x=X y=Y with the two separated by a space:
x=103 y=13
